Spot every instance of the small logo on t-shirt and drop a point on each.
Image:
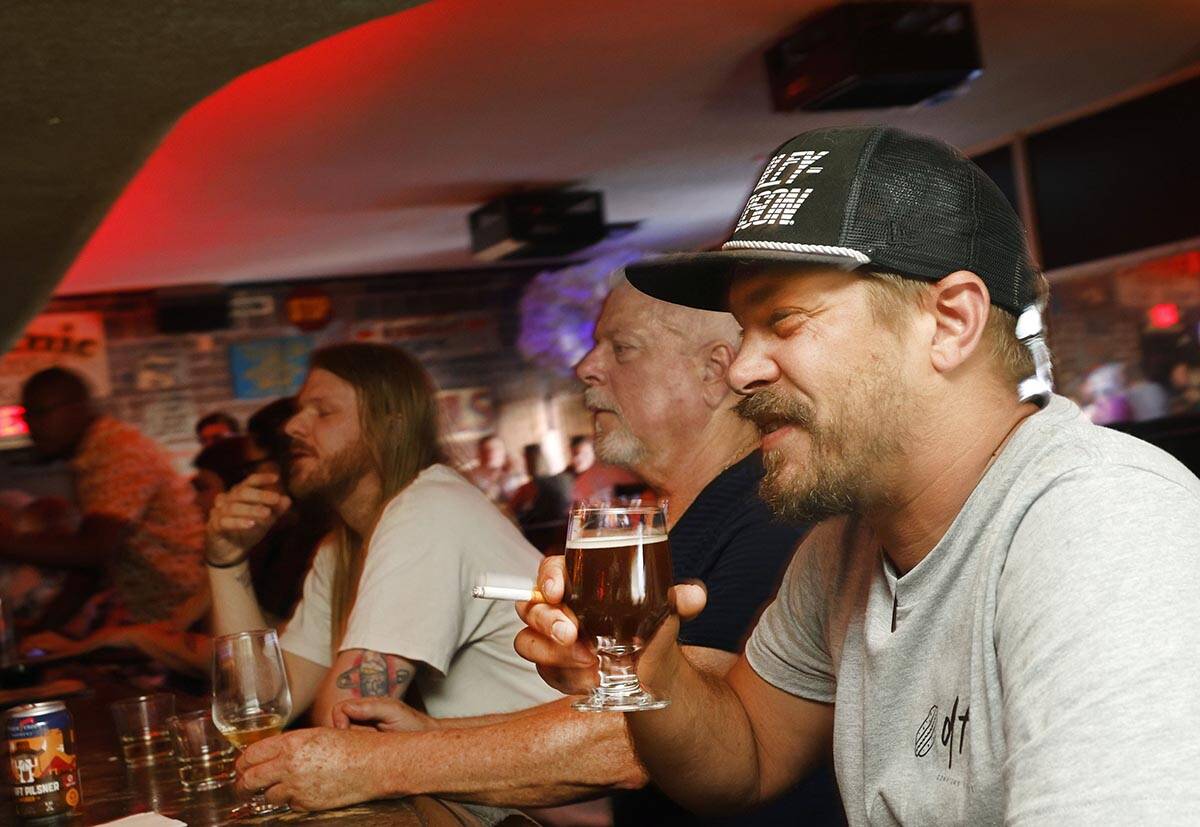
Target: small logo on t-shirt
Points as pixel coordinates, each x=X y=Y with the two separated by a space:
x=953 y=729
x=924 y=740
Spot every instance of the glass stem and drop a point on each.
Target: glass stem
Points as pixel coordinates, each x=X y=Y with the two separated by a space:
x=618 y=678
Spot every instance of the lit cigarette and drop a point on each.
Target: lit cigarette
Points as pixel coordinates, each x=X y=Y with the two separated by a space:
x=505 y=587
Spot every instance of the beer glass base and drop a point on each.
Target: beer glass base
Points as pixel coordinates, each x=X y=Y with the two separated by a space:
x=638 y=701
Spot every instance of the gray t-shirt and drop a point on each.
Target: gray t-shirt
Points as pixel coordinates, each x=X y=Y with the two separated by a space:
x=1040 y=666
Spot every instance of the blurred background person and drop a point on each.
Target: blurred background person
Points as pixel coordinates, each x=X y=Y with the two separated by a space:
x=222 y=465
x=583 y=453
x=493 y=471
x=541 y=504
x=140 y=528
x=1106 y=395
x=216 y=426
x=266 y=427
x=596 y=481
x=1147 y=398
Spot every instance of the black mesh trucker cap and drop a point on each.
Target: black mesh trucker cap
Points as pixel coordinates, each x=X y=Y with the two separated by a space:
x=853 y=197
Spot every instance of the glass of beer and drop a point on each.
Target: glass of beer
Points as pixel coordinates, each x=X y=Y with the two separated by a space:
x=618 y=573
x=251 y=699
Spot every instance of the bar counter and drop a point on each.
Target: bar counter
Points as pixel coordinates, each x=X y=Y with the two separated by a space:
x=111 y=790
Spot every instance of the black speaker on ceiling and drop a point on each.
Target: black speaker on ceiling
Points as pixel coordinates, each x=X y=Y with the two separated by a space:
x=873 y=55
x=537 y=224
x=191 y=309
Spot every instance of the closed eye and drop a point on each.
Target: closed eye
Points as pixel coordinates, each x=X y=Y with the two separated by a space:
x=786 y=322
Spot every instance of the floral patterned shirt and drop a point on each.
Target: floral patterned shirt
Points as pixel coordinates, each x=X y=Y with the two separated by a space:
x=121 y=473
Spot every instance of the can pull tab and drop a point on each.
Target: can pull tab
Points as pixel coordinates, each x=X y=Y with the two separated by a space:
x=1031 y=333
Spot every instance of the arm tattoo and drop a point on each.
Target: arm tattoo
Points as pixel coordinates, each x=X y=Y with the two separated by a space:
x=375 y=675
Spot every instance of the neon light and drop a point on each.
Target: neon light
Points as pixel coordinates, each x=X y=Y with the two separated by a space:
x=1164 y=315
x=12 y=421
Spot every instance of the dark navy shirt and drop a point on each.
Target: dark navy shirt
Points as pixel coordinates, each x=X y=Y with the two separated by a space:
x=729 y=540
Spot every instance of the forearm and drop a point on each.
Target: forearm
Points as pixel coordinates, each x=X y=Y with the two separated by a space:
x=493 y=720
x=700 y=750
x=234 y=606
x=554 y=756
x=184 y=652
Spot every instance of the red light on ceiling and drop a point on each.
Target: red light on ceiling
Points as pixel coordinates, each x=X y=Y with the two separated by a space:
x=12 y=421
x=1164 y=315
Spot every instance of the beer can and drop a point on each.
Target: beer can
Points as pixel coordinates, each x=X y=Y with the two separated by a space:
x=42 y=762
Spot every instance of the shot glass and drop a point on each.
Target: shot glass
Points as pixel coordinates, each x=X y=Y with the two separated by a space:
x=205 y=756
x=142 y=727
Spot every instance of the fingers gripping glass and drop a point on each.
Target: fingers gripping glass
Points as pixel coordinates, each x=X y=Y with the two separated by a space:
x=618 y=572
x=251 y=700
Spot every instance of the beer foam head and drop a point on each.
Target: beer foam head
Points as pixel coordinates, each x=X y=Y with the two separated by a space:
x=617 y=541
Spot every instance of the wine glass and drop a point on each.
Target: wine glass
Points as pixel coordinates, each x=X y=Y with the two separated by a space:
x=618 y=573
x=251 y=700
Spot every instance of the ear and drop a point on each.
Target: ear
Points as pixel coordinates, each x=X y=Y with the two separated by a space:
x=717 y=356
x=959 y=306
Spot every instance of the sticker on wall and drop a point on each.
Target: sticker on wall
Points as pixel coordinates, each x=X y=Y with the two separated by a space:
x=251 y=306
x=269 y=367
x=70 y=340
x=166 y=418
x=160 y=372
x=308 y=308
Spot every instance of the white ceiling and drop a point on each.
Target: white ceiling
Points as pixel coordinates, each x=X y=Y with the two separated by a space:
x=365 y=152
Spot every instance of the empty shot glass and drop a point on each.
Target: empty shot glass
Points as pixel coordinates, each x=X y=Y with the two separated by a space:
x=205 y=756
x=142 y=727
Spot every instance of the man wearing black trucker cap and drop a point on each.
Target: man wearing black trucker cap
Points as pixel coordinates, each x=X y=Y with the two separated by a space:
x=997 y=619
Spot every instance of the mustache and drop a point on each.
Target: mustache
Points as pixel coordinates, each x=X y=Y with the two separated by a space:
x=595 y=400
x=769 y=409
x=299 y=449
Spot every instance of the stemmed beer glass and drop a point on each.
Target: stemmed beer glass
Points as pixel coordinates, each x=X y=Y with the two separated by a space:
x=618 y=573
x=251 y=699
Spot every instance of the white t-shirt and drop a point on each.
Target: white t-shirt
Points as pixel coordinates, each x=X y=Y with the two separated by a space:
x=414 y=599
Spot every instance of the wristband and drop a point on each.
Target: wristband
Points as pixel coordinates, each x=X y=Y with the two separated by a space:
x=214 y=565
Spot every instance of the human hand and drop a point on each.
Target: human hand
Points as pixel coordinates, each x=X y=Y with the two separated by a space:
x=315 y=769
x=242 y=516
x=550 y=639
x=383 y=714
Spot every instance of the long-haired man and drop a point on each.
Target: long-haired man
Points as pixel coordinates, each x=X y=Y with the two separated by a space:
x=386 y=608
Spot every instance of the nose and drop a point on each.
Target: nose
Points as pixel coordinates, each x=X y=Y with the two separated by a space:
x=753 y=369
x=294 y=427
x=588 y=368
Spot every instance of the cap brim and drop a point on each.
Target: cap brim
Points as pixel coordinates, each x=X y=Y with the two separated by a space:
x=701 y=280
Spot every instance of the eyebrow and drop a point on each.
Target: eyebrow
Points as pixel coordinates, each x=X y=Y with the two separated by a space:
x=614 y=331
x=763 y=292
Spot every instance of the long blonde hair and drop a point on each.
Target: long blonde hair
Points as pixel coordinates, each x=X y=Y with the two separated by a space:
x=398 y=418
